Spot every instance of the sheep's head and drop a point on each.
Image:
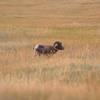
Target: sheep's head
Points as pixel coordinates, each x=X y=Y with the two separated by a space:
x=58 y=45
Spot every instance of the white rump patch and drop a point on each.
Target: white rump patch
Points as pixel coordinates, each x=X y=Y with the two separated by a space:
x=36 y=46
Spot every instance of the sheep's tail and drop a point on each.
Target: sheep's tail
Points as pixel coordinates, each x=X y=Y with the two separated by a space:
x=33 y=48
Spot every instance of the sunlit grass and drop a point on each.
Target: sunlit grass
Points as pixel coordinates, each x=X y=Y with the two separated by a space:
x=72 y=74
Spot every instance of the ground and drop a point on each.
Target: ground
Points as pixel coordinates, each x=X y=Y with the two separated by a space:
x=72 y=74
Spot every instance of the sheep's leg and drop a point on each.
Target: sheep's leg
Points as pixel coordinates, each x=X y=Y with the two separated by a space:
x=35 y=53
x=39 y=54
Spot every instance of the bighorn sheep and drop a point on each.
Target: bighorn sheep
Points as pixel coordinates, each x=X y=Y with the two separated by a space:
x=40 y=49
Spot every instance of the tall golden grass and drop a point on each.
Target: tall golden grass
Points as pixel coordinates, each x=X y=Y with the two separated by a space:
x=72 y=74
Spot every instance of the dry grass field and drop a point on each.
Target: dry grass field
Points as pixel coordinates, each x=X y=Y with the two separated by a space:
x=72 y=74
